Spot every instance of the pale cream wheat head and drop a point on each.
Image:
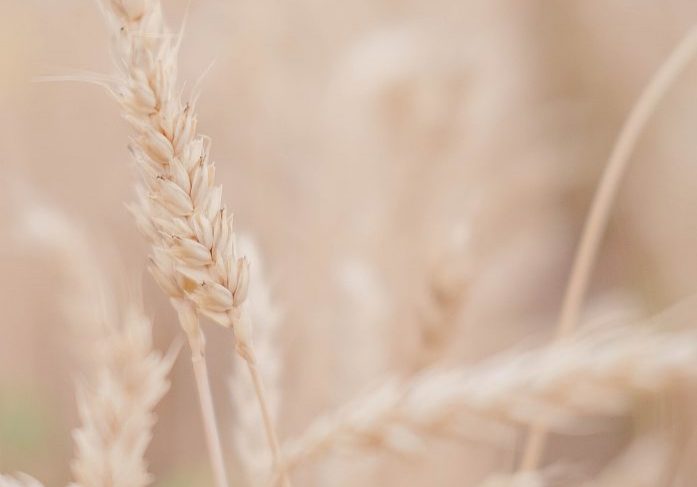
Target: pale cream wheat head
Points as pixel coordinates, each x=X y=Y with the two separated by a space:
x=603 y=373
x=123 y=377
x=116 y=407
x=179 y=209
x=179 y=205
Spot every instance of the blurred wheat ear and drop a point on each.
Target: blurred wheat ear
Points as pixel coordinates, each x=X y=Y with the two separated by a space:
x=597 y=220
x=123 y=377
x=602 y=372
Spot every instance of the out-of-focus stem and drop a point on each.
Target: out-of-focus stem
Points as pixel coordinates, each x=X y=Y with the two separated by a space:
x=241 y=325
x=271 y=435
x=596 y=222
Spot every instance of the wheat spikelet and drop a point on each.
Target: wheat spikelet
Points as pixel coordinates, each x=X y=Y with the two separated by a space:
x=19 y=480
x=599 y=373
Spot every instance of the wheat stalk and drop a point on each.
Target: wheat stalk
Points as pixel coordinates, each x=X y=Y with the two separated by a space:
x=179 y=208
x=598 y=216
x=600 y=373
x=644 y=463
x=248 y=434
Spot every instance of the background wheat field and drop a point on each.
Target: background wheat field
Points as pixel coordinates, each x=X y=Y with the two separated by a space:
x=409 y=181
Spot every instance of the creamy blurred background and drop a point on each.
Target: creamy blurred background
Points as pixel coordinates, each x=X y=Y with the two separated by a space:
x=374 y=150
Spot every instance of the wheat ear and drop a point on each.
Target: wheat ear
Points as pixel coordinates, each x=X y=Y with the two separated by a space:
x=146 y=56
x=194 y=258
x=597 y=220
x=145 y=53
x=116 y=407
x=19 y=480
x=601 y=373
x=123 y=378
